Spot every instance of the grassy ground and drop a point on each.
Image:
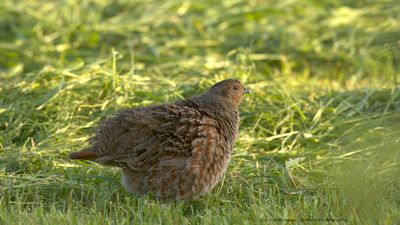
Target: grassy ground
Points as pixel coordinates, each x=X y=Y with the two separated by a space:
x=320 y=135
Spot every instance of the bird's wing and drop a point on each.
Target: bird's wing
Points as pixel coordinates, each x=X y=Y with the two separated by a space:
x=138 y=138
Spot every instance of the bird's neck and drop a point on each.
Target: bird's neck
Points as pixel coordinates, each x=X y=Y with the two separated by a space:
x=225 y=112
x=218 y=103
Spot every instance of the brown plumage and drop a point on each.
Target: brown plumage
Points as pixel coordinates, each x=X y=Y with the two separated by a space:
x=177 y=150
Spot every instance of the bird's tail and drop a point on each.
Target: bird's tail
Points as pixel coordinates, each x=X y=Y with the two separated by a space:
x=84 y=154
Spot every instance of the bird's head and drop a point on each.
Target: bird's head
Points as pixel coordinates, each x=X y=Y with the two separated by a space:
x=231 y=89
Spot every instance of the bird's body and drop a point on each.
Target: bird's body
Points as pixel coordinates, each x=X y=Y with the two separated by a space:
x=177 y=150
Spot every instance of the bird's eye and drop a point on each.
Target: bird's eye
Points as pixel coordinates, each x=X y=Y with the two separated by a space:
x=235 y=88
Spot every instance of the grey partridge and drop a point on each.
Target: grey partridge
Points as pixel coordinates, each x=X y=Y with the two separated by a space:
x=178 y=150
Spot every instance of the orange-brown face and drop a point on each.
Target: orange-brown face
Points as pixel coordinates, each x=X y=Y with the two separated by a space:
x=232 y=89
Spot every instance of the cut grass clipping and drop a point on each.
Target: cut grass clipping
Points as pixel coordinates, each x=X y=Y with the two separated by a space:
x=319 y=137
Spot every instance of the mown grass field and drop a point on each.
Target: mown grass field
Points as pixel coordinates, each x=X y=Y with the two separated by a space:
x=319 y=138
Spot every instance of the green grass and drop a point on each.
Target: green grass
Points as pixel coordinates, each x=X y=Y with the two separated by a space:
x=319 y=137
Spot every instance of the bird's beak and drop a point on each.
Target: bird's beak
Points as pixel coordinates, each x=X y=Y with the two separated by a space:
x=247 y=91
